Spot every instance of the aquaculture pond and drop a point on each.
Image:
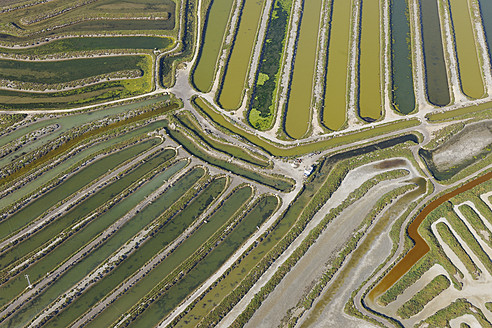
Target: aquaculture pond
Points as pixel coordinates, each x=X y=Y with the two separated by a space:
x=239 y=60
x=52 y=72
x=226 y=210
x=65 y=165
x=95 y=43
x=298 y=115
x=435 y=66
x=486 y=13
x=467 y=50
x=80 y=179
x=370 y=101
x=264 y=208
x=402 y=92
x=215 y=28
x=83 y=208
x=37 y=270
x=145 y=252
x=98 y=256
x=336 y=88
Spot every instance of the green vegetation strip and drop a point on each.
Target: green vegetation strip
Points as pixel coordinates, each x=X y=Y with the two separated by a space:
x=151 y=316
x=305 y=148
x=298 y=115
x=449 y=238
x=94 y=43
x=424 y=296
x=215 y=28
x=476 y=222
x=336 y=92
x=224 y=213
x=169 y=200
x=456 y=309
x=467 y=49
x=190 y=123
x=239 y=61
x=72 y=142
x=370 y=107
x=71 y=185
x=160 y=239
x=263 y=104
x=83 y=208
x=280 y=183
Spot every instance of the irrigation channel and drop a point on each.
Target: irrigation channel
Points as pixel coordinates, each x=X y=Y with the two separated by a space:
x=435 y=65
x=421 y=247
x=213 y=36
x=149 y=215
x=403 y=95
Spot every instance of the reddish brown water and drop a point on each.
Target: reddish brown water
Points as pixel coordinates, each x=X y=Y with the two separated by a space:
x=421 y=247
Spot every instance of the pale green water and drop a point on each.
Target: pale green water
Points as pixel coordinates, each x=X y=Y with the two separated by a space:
x=40 y=181
x=69 y=186
x=83 y=208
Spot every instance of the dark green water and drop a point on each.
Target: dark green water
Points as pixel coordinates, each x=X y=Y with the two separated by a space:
x=125 y=302
x=401 y=63
x=83 y=209
x=486 y=12
x=50 y=261
x=212 y=262
x=89 y=263
x=69 y=186
x=144 y=253
x=435 y=67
